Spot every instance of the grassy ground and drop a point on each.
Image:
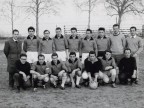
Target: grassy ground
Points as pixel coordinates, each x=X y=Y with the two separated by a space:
x=103 y=97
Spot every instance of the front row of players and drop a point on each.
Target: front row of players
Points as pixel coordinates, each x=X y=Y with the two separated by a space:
x=58 y=73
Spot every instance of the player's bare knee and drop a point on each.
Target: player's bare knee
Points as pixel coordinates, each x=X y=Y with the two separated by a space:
x=46 y=79
x=113 y=72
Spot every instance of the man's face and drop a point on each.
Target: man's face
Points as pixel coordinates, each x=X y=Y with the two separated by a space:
x=15 y=35
x=72 y=57
x=133 y=31
x=127 y=53
x=54 y=58
x=31 y=32
x=101 y=33
x=88 y=34
x=92 y=57
x=41 y=59
x=73 y=32
x=46 y=34
x=23 y=59
x=58 y=32
x=116 y=29
x=108 y=55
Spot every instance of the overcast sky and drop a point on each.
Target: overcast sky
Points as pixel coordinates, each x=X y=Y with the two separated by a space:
x=69 y=16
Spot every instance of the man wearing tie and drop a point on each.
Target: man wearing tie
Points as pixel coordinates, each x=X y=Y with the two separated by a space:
x=12 y=51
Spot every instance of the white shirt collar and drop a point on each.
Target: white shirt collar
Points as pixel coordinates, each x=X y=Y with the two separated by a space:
x=14 y=39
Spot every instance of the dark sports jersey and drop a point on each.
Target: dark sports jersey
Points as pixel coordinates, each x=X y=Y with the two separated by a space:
x=127 y=65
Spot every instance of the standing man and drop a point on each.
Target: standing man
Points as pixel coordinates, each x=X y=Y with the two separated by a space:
x=87 y=44
x=102 y=42
x=47 y=46
x=31 y=46
x=135 y=44
x=117 y=43
x=74 y=42
x=61 y=45
x=12 y=51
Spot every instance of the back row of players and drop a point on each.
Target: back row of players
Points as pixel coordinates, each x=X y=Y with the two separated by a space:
x=98 y=55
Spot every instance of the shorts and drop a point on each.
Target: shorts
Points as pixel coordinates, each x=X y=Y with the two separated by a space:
x=61 y=55
x=32 y=57
x=84 y=56
x=47 y=57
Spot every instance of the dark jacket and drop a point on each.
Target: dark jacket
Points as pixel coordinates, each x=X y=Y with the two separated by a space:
x=12 y=51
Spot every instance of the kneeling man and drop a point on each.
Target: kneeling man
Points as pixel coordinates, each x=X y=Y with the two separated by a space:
x=74 y=66
x=93 y=67
x=127 y=68
x=22 y=75
x=40 y=72
x=58 y=71
x=108 y=68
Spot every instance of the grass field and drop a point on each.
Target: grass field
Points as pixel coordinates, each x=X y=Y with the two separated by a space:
x=103 y=97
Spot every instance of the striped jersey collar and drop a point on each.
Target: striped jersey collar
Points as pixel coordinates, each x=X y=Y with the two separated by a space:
x=38 y=63
x=90 y=38
x=58 y=62
x=70 y=61
x=99 y=37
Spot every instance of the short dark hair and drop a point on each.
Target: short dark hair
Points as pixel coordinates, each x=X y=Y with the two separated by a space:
x=115 y=25
x=54 y=54
x=41 y=55
x=92 y=52
x=46 y=31
x=133 y=27
x=108 y=51
x=31 y=28
x=58 y=28
x=74 y=28
x=15 y=30
x=101 y=28
x=72 y=53
x=89 y=30
x=127 y=49
x=23 y=55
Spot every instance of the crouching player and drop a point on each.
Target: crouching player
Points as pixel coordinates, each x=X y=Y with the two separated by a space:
x=40 y=72
x=108 y=68
x=74 y=67
x=93 y=67
x=127 y=68
x=22 y=75
x=58 y=72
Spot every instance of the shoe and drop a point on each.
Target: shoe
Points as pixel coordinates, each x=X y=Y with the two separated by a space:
x=113 y=85
x=18 y=89
x=78 y=86
x=62 y=87
x=44 y=86
x=35 y=89
x=136 y=82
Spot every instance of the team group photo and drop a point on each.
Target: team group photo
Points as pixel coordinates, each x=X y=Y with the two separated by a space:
x=73 y=66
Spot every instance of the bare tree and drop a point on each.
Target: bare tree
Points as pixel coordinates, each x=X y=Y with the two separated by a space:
x=122 y=7
x=9 y=12
x=41 y=7
x=86 y=5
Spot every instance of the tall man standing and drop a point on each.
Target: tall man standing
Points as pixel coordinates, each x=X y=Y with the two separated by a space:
x=74 y=42
x=31 y=46
x=12 y=51
x=61 y=45
x=87 y=44
x=135 y=44
x=117 y=43
x=47 y=46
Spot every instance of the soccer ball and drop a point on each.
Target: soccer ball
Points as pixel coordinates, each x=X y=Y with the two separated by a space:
x=93 y=85
x=84 y=75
